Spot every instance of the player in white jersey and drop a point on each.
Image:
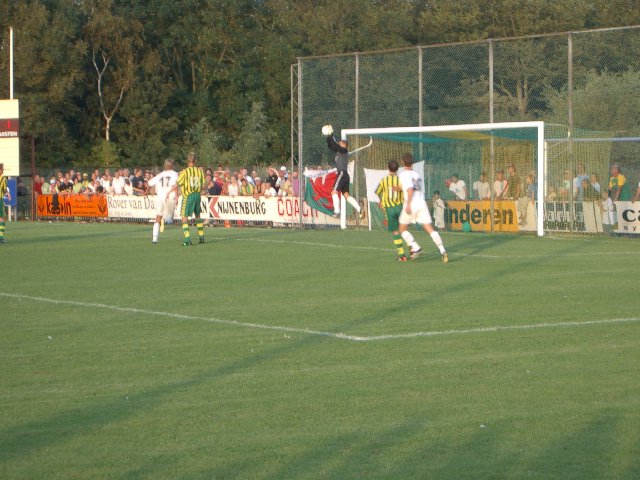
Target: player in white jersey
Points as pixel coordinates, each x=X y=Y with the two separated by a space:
x=415 y=210
x=166 y=186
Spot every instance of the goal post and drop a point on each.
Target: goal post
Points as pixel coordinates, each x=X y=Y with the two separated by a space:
x=484 y=146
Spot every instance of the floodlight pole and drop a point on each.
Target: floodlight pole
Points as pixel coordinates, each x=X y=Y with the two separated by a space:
x=10 y=63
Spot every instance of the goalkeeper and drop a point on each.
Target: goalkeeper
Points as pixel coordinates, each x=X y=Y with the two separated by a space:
x=389 y=192
x=342 y=181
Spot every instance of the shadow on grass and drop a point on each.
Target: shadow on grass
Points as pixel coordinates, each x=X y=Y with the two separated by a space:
x=479 y=242
x=589 y=452
x=68 y=236
x=356 y=452
x=486 y=454
x=438 y=294
x=471 y=244
x=123 y=230
x=332 y=456
x=23 y=440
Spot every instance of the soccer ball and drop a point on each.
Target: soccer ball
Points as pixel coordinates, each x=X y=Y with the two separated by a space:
x=327 y=130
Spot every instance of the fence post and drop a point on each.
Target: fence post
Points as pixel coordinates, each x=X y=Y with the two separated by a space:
x=492 y=152
x=300 y=139
x=572 y=203
x=356 y=183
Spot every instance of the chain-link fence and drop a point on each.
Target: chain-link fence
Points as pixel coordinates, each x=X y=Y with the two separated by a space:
x=584 y=85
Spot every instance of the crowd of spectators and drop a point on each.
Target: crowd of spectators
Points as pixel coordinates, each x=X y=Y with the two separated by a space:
x=221 y=181
x=586 y=187
x=281 y=182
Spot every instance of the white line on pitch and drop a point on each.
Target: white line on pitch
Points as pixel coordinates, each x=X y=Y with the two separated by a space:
x=173 y=315
x=319 y=333
x=462 y=254
x=314 y=244
x=533 y=326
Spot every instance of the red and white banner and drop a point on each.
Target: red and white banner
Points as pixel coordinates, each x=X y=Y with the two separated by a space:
x=10 y=137
x=237 y=208
x=277 y=210
x=266 y=209
x=287 y=210
x=281 y=210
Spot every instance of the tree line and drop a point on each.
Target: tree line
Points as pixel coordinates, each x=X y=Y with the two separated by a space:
x=105 y=82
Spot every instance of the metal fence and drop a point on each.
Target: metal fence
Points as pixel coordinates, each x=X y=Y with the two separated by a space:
x=587 y=83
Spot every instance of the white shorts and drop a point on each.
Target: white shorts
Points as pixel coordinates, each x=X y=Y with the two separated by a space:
x=166 y=206
x=420 y=215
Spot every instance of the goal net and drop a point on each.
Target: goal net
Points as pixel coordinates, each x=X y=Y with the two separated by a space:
x=491 y=177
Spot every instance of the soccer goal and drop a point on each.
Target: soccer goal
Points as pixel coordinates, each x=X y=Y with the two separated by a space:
x=491 y=176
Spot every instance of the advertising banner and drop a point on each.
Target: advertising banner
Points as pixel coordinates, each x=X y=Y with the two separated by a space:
x=125 y=206
x=72 y=206
x=628 y=215
x=477 y=216
x=10 y=137
x=12 y=187
x=238 y=208
x=266 y=209
x=278 y=210
x=584 y=217
x=287 y=210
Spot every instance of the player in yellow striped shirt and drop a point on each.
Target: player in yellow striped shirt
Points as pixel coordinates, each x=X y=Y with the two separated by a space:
x=3 y=191
x=389 y=192
x=191 y=182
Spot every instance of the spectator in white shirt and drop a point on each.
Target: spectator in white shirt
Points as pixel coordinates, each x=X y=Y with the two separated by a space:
x=269 y=191
x=500 y=185
x=458 y=187
x=481 y=188
x=232 y=187
x=118 y=183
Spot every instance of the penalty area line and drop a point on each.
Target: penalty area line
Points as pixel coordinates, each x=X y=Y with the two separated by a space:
x=178 y=316
x=320 y=333
x=503 y=328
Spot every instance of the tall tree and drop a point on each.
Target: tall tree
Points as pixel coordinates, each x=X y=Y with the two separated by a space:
x=48 y=73
x=113 y=42
x=604 y=101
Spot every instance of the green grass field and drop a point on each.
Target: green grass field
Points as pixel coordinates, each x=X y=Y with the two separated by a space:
x=280 y=354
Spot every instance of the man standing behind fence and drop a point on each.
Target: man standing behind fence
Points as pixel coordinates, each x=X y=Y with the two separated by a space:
x=3 y=191
x=191 y=182
x=618 y=187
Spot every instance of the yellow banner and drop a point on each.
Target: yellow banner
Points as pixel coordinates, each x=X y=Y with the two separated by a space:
x=477 y=216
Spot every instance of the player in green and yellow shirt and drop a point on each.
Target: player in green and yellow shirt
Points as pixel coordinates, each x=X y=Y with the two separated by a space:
x=3 y=191
x=389 y=192
x=191 y=182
